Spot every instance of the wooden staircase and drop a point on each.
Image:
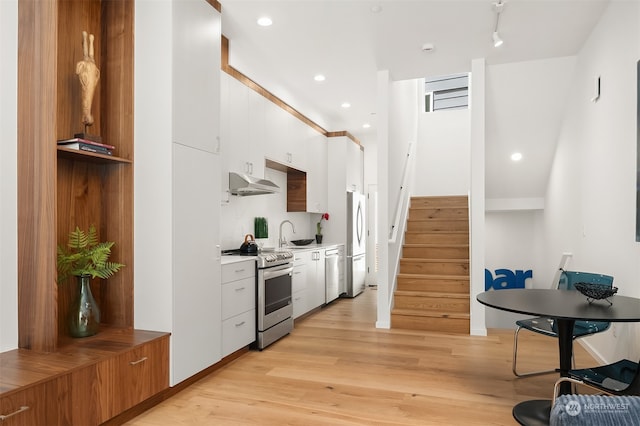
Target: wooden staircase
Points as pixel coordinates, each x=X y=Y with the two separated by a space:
x=433 y=284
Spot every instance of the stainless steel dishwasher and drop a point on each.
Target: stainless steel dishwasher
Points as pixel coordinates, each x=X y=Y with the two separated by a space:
x=331 y=274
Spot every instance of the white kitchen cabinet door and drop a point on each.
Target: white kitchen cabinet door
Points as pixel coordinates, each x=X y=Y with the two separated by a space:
x=300 y=282
x=196 y=332
x=196 y=76
x=299 y=141
x=255 y=152
x=278 y=124
x=316 y=283
x=242 y=125
x=317 y=173
x=354 y=167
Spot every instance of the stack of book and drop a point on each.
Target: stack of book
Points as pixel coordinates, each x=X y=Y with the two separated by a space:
x=87 y=145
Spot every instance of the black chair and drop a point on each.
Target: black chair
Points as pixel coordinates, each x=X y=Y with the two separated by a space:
x=547 y=326
x=619 y=378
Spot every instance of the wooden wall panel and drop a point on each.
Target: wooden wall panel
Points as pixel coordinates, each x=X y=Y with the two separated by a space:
x=117 y=197
x=296 y=191
x=37 y=59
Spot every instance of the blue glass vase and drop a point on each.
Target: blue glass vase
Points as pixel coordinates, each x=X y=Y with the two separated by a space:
x=84 y=313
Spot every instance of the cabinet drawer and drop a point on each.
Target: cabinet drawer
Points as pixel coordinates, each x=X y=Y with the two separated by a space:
x=299 y=278
x=238 y=271
x=140 y=373
x=238 y=296
x=36 y=406
x=300 y=303
x=238 y=332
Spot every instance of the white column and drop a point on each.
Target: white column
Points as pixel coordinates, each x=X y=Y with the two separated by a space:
x=476 y=196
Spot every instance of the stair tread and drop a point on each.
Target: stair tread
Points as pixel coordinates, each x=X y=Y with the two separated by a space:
x=432 y=245
x=417 y=293
x=420 y=313
x=434 y=276
x=419 y=259
x=441 y=219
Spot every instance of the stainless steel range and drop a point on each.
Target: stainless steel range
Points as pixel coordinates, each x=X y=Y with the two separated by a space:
x=274 y=296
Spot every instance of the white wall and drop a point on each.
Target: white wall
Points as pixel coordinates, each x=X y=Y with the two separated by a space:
x=8 y=175
x=403 y=106
x=590 y=202
x=442 y=153
x=513 y=241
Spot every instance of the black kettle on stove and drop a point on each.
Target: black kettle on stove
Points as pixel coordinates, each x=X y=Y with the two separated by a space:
x=249 y=245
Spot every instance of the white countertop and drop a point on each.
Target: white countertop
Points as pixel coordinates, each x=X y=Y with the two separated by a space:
x=312 y=246
x=226 y=259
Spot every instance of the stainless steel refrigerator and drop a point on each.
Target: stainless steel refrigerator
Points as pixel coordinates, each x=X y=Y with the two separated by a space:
x=356 y=244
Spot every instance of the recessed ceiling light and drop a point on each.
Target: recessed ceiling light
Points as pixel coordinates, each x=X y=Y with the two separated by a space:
x=428 y=47
x=366 y=125
x=346 y=105
x=376 y=9
x=516 y=156
x=319 y=77
x=265 y=21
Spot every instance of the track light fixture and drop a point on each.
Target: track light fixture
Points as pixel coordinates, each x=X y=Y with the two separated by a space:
x=498 y=7
x=497 y=41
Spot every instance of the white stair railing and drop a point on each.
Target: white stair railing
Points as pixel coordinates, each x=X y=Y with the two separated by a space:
x=403 y=195
x=399 y=223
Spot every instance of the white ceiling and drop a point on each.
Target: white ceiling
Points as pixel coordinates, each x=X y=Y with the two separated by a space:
x=349 y=43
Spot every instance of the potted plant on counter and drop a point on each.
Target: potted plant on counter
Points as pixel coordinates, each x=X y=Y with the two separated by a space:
x=325 y=216
x=85 y=258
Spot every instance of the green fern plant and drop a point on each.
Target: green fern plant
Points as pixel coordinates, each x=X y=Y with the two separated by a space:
x=86 y=256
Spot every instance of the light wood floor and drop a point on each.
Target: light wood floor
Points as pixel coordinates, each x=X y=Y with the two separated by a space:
x=336 y=368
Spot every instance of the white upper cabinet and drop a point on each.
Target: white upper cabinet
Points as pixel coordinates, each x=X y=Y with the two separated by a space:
x=354 y=167
x=196 y=71
x=345 y=166
x=242 y=116
x=257 y=126
x=285 y=136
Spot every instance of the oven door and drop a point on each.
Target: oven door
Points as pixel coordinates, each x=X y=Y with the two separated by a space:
x=274 y=295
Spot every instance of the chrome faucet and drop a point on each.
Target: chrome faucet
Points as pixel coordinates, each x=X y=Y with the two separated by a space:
x=282 y=241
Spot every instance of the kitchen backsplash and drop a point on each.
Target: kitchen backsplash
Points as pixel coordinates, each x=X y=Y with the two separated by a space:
x=237 y=216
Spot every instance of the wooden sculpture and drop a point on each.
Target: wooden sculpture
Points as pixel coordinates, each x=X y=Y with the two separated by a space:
x=89 y=74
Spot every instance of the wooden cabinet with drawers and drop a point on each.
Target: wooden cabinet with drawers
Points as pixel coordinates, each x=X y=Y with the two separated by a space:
x=86 y=382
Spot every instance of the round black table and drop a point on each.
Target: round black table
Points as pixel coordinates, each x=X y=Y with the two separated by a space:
x=565 y=306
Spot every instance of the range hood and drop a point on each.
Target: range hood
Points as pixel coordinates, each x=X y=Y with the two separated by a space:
x=241 y=184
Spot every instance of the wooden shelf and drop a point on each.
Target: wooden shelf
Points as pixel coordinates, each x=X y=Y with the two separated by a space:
x=75 y=154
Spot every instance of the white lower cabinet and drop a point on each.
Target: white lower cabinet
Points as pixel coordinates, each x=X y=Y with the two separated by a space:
x=308 y=281
x=299 y=291
x=238 y=306
x=316 y=278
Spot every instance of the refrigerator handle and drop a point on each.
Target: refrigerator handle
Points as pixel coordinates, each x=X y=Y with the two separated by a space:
x=359 y=222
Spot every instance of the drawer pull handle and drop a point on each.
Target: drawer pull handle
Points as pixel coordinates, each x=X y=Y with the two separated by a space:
x=18 y=411
x=143 y=359
x=240 y=324
x=240 y=288
x=239 y=270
